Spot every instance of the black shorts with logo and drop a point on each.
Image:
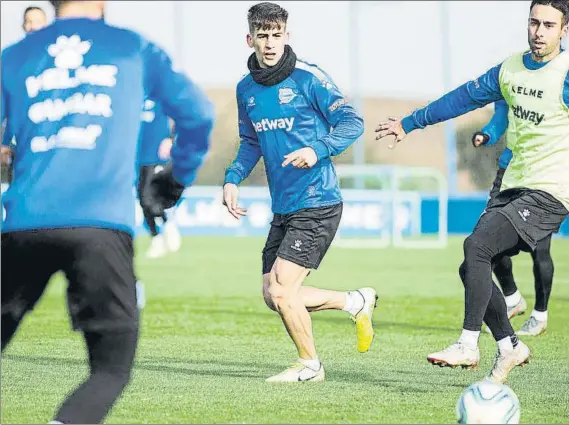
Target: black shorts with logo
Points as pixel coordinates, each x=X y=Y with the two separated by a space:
x=302 y=237
x=98 y=264
x=534 y=214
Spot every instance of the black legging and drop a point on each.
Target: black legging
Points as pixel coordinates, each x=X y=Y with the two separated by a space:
x=542 y=272
x=494 y=236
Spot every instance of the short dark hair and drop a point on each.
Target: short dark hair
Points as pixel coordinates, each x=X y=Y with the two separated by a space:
x=561 y=5
x=30 y=8
x=266 y=16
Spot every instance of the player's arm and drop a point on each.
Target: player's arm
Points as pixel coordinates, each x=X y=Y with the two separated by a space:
x=249 y=152
x=496 y=127
x=505 y=158
x=468 y=97
x=347 y=125
x=188 y=106
x=248 y=156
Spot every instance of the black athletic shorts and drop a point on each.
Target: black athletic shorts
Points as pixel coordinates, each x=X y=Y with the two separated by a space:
x=98 y=264
x=302 y=237
x=533 y=213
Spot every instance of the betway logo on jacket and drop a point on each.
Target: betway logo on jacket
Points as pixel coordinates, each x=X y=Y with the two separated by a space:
x=268 y=125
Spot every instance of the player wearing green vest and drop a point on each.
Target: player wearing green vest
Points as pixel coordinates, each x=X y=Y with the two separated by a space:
x=534 y=196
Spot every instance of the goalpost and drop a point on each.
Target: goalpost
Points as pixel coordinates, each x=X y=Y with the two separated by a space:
x=400 y=210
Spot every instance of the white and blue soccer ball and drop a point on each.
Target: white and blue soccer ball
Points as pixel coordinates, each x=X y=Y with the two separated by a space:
x=488 y=402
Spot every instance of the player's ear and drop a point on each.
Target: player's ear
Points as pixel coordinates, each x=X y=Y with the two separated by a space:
x=249 y=40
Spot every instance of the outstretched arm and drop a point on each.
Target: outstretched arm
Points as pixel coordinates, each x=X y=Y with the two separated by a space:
x=468 y=97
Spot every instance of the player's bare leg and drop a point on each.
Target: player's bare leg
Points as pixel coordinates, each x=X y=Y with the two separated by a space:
x=360 y=304
x=284 y=283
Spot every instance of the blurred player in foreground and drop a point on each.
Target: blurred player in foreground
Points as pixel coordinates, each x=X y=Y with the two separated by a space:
x=534 y=195
x=72 y=95
x=285 y=110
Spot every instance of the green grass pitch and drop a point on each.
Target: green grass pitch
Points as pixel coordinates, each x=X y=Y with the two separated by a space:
x=208 y=342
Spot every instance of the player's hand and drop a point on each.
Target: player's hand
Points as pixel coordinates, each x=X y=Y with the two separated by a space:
x=393 y=127
x=162 y=193
x=301 y=158
x=230 y=197
x=5 y=155
x=479 y=139
x=165 y=148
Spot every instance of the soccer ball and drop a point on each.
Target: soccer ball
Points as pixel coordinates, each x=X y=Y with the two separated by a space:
x=488 y=402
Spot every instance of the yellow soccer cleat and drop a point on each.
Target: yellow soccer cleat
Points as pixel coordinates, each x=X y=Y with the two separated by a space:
x=363 y=319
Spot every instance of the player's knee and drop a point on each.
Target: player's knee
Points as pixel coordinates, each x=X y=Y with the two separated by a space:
x=474 y=247
x=267 y=294
x=462 y=272
x=278 y=292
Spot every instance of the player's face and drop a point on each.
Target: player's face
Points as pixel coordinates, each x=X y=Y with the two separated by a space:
x=545 y=31
x=269 y=44
x=34 y=20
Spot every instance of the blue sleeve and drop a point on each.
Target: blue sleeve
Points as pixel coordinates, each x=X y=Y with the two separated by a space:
x=347 y=125
x=466 y=98
x=249 y=150
x=498 y=124
x=505 y=158
x=187 y=105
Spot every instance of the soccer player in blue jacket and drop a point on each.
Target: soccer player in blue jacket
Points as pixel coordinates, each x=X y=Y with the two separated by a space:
x=286 y=108
x=503 y=269
x=534 y=196
x=154 y=152
x=72 y=94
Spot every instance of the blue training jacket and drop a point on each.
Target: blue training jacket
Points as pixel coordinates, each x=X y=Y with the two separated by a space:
x=72 y=94
x=154 y=129
x=304 y=110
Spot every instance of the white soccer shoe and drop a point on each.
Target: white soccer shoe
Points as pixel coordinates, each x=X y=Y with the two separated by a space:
x=299 y=373
x=533 y=327
x=507 y=360
x=363 y=319
x=157 y=247
x=456 y=355
x=172 y=236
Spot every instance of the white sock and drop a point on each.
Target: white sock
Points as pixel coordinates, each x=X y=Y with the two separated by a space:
x=540 y=315
x=512 y=300
x=354 y=302
x=505 y=344
x=313 y=364
x=469 y=338
x=55 y=422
